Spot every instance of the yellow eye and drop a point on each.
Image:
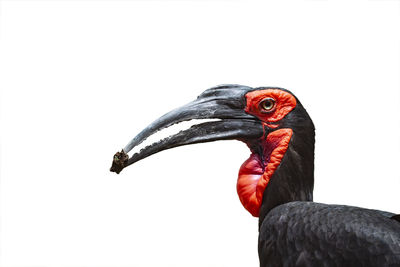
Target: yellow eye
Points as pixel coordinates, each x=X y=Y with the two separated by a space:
x=267 y=104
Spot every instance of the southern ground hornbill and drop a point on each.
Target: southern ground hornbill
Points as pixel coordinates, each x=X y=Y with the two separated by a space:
x=276 y=182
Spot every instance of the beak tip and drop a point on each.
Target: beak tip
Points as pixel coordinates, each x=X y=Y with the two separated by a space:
x=120 y=160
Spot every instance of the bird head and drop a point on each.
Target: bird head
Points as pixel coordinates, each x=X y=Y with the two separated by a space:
x=271 y=121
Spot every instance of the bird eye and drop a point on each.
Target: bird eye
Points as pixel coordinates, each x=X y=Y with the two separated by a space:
x=267 y=105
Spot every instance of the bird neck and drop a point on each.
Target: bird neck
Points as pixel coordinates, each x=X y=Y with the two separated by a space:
x=293 y=180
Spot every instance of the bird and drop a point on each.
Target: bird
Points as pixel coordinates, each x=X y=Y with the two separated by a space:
x=276 y=182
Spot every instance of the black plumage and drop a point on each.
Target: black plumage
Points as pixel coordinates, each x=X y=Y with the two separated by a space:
x=396 y=217
x=314 y=234
x=294 y=231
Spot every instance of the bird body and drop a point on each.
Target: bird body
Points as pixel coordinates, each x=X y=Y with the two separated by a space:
x=276 y=182
x=313 y=234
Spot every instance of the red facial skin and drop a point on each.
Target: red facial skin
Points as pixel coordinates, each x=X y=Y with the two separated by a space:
x=256 y=171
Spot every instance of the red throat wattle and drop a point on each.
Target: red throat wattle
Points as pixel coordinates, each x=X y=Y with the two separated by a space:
x=256 y=172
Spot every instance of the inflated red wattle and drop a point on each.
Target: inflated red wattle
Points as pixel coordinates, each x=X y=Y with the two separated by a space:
x=255 y=173
x=254 y=178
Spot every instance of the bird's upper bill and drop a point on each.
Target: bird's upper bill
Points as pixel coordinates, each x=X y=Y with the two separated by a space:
x=255 y=116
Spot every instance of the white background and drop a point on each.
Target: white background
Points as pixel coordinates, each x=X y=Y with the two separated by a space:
x=79 y=79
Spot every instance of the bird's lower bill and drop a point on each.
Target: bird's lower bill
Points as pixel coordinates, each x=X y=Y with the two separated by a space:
x=224 y=129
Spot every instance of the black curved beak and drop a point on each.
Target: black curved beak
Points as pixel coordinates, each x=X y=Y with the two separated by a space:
x=225 y=103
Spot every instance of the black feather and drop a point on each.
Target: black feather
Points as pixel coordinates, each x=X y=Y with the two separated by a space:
x=315 y=234
x=396 y=217
x=294 y=231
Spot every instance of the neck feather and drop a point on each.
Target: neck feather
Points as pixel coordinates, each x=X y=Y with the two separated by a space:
x=293 y=180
